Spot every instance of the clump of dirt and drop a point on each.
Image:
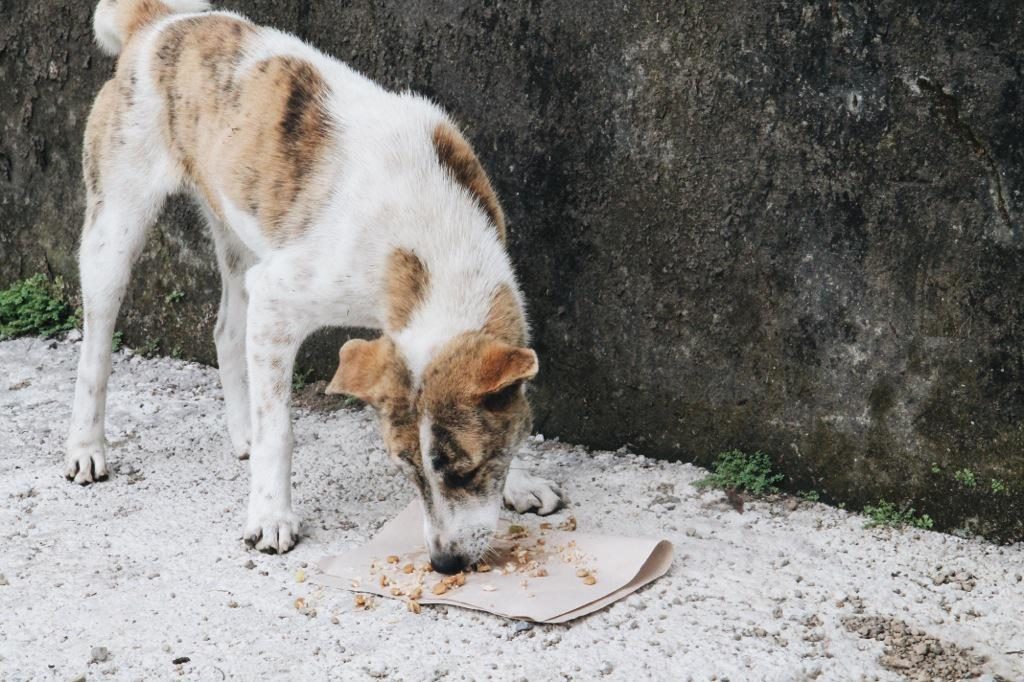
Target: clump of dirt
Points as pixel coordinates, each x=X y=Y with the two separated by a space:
x=914 y=654
x=965 y=580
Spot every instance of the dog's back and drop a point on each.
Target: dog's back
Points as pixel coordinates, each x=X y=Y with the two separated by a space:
x=269 y=133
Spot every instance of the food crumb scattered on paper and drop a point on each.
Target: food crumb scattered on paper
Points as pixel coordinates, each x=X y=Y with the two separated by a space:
x=520 y=554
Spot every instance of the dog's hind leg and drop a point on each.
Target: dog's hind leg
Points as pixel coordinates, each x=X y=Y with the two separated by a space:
x=110 y=246
x=120 y=208
x=233 y=258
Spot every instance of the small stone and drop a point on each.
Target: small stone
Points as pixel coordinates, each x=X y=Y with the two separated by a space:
x=792 y=504
x=99 y=654
x=605 y=668
x=232 y=604
x=180 y=660
x=74 y=335
x=377 y=669
x=521 y=626
x=334 y=620
x=3 y=580
x=250 y=564
x=691 y=532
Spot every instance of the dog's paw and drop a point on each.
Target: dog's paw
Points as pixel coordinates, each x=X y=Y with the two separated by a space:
x=272 y=533
x=84 y=464
x=525 y=492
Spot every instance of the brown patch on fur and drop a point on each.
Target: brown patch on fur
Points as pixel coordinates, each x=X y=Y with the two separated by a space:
x=458 y=390
x=505 y=320
x=407 y=283
x=256 y=136
x=100 y=130
x=278 y=139
x=455 y=155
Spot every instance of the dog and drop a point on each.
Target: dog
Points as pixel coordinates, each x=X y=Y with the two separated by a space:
x=332 y=202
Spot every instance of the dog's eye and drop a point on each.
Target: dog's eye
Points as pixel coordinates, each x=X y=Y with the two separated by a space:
x=455 y=479
x=496 y=402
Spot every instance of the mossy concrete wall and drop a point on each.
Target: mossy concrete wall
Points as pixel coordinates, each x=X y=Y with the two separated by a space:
x=787 y=226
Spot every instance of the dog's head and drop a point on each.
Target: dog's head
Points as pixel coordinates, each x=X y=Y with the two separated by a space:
x=452 y=431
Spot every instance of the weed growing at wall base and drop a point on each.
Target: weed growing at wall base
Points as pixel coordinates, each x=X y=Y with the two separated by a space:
x=35 y=306
x=735 y=470
x=888 y=514
x=966 y=478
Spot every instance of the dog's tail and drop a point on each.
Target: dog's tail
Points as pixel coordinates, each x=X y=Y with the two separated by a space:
x=116 y=21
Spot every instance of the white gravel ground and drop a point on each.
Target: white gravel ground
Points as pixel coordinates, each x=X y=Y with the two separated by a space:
x=149 y=565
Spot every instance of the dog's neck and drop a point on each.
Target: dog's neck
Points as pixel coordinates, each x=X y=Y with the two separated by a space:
x=460 y=291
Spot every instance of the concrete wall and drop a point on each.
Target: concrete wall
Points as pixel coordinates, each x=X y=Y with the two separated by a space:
x=788 y=226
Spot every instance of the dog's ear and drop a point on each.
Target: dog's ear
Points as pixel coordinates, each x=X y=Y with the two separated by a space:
x=362 y=366
x=502 y=365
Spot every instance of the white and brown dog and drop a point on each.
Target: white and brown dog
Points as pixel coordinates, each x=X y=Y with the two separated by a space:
x=332 y=202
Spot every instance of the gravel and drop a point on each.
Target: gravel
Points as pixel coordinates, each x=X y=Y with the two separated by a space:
x=149 y=568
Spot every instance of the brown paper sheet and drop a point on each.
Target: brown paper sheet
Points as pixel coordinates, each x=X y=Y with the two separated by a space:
x=620 y=566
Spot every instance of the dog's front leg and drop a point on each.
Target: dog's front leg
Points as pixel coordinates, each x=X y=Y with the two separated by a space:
x=525 y=492
x=272 y=340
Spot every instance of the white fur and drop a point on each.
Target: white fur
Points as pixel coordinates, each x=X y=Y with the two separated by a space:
x=388 y=191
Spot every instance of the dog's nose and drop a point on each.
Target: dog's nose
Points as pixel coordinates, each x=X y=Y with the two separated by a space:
x=448 y=563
